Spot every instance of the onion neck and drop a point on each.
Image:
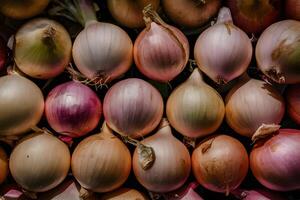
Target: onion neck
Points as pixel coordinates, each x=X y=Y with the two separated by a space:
x=164 y=128
x=196 y=77
x=87 y=12
x=265 y=131
x=224 y=16
x=106 y=132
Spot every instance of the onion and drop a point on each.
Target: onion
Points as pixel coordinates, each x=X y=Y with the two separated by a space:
x=21 y=105
x=191 y=13
x=39 y=162
x=292 y=9
x=133 y=107
x=254 y=16
x=161 y=51
x=124 y=194
x=231 y=45
x=20 y=9
x=220 y=163
x=101 y=162
x=194 y=108
x=2 y=54
x=275 y=160
x=186 y=193
x=251 y=103
x=42 y=48
x=168 y=168
x=293 y=102
x=256 y=194
x=3 y=165
x=278 y=50
x=73 y=109
x=128 y=12
x=12 y=192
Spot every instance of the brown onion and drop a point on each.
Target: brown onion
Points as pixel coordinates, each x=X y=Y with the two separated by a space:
x=278 y=50
x=220 y=163
x=292 y=9
x=293 y=102
x=194 y=108
x=168 y=168
x=3 y=165
x=124 y=194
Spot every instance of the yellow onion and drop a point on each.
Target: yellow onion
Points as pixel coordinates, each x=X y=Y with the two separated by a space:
x=101 y=162
x=39 y=162
x=124 y=194
x=167 y=167
x=194 y=108
x=3 y=165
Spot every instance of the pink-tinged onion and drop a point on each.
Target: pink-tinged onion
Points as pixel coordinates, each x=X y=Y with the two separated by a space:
x=292 y=9
x=257 y=194
x=73 y=109
x=21 y=105
x=161 y=51
x=220 y=163
x=223 y=51
x=3 y=55
x=252 y=103
x=42 y=48
x=185 y=193
x=12 y=192
x=293 y=102
x=194 y=108
x=133 y=107
x=124 y=194
x=275 y=158
x=167 y=167
x=254 y=16
x=278 y=51
x=39 y=162
x=3 y=165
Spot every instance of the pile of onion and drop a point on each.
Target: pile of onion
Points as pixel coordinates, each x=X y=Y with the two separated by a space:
x=251 y=103
x=161 y=51
x=124 y=194
x=229 y=44
x=292 y=9
x=261 y=194
x=3 y=165
x=167 y=167
x=278 y=50
x=275 y=158
x=293 y=102
x=2 y=53
x=220 y=163
x=194 y=108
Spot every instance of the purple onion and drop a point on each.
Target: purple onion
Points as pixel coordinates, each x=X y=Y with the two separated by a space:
x=261 y=194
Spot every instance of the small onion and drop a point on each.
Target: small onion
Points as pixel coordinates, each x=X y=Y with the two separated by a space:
x=278 y=50
x=129 y=13
x=101 y=162
x=293 y=102
x=251 y=103
x=292 y=9
x=186 y=193
x=223 y=51
x=2 y=54
x=73 y=109
x=133 y=107
x=21 y=105
x=275 y=158
x=220 y=163
x=194 y=108
x=42 y=48
x=39 y=162
x=170 y=165
x=124 y=194
x=191 y=13
x=3 y=165
x=161 y=51
x=257 y=194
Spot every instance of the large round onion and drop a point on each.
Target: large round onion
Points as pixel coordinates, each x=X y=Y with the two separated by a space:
x=194 y=108
x=39 y=162
x=220 y=163
x=73 y=109
x=170 y=165
x=124 y=194
x=293 y=102
x=133 y=107
x=42 y=48
x=292 y=9
x=278 y=50
x=230 y=44
x=21 y=105
x=2 y=53
x=3 y=165
x=252 y=103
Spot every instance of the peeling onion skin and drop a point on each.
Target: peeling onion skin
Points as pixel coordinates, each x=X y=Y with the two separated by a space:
x=292 y=9
x=293 y=102
x=124 y=194
x=3 y=165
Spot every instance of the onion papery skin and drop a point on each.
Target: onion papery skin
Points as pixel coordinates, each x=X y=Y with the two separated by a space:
x=3 y=54
x=3 y=165
x=39 y=162
x=171 y=166
x=42 y=48
x=101 y=162
x=194 y=108
x=129 y=13
x=252 y=103
x=124 y=194
x=232 y=47
x=278 y=50
x=293 y=102
x=275 y=161
x=73 y=109
x=191 y=13
x=132 y=107
x=102 y=51
x=20 y=9
x=220 y=163
x=21 y=105
x=254 y=16
x=292 y=9
x=261 y=194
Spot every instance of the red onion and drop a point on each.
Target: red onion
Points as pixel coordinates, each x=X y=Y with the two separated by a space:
x=2 y=54
x=185 y=193
x=293 y=102
x=292 y=9
x=257 y=194
x=275 y=158
x=230 y=44
x=3 y=165
x=133 y=107
x=73 y=109
x=124 y=194
x=160 y=51
x=278 y=50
